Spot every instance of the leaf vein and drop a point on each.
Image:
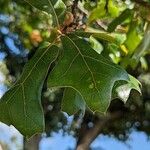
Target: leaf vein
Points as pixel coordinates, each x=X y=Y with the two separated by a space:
x=85 y=63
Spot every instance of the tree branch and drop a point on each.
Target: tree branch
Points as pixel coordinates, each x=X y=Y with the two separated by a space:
x=74 y=6
x=90 y=134
x=33 y=143
x=143 y=3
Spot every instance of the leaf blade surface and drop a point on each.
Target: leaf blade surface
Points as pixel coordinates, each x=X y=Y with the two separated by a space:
x=21 y=105
x=89 y=73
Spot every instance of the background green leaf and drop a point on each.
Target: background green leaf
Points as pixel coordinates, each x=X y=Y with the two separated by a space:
x=103 y=10
x=132 y=34
x=54 y=7
x=117 y=21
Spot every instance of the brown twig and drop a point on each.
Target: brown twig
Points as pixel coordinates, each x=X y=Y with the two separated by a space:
x=74 y=6
x=143 y=3
x=90 y=134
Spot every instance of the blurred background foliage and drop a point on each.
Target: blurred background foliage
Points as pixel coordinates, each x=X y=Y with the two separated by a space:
x=23 y=28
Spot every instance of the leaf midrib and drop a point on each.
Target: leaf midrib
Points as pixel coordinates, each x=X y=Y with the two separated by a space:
x=34 y=66
x=56 y=18
x=22 y=86
x=95 y=85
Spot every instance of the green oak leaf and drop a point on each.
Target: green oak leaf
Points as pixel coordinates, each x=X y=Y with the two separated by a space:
x=122 y=90
x=72 y=102
x=54 y=7
x=21 y=105
x=86 y=71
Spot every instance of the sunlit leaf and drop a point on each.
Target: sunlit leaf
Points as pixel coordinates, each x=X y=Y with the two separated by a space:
x=104 y=10
x=86 y=71
x=144 y=63
x=133 y=38
x=98 y=12
x=98 y=34
x=113 y=10
x=96 y=45
x=123 y=91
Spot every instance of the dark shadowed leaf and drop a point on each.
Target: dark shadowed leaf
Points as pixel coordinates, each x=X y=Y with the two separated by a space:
x=72 y=102
x=21 y=105
x=117 y=21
